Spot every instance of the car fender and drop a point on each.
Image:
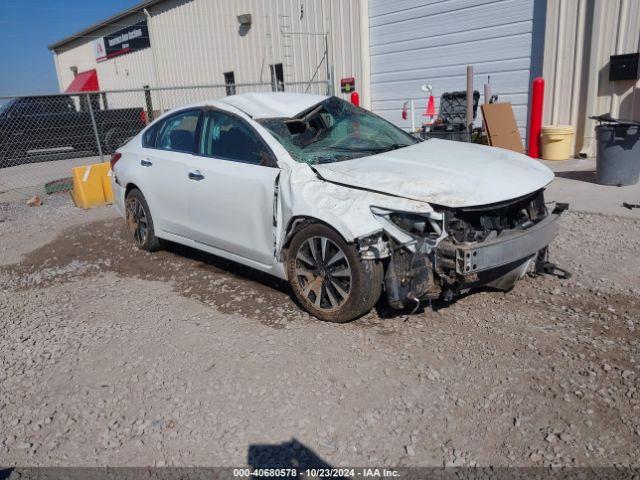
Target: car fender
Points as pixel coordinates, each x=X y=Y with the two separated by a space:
x=303 y=195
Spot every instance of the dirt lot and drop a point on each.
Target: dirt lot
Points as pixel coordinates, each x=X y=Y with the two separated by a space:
x=111 y=356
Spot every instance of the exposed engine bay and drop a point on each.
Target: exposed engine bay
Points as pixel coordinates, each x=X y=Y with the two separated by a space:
x=455 y=250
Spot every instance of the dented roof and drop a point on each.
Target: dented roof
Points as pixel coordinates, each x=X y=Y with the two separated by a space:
x=273 y=104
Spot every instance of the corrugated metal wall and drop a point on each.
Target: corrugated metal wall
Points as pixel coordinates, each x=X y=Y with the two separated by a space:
x=133 y=70
x=414 y=42
x=581 y=35
x=196 y=41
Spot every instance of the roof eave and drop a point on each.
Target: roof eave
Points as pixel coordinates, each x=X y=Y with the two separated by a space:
x=105 y=23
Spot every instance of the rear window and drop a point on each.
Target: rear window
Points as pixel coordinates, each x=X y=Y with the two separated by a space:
x=176 y=132
x=57 y=105
x=149 y=136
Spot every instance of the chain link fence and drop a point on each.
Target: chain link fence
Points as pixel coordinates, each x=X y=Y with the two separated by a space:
x=42 y=137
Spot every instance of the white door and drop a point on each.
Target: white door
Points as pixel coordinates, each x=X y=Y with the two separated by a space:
x=231 y=189
x=164 y=168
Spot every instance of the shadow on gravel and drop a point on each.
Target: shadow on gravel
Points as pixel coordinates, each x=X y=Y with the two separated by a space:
x=105 y=246
x=288 y=455
x=588 y=176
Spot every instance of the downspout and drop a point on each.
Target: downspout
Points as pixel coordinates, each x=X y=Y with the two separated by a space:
x=557 y=80
x=576 y=87
x=56 y=62
x=153 y=57
x=365 y=55
x=615 y=95
x=592 y=80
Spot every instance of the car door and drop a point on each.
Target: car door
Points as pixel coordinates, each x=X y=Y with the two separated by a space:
x=231 y=188
x=163 y=169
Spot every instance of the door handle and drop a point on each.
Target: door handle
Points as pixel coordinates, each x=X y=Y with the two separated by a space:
x=146 y=162
x=196 y=175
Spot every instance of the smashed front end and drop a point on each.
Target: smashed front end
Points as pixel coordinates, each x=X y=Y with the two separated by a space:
x=451 y=251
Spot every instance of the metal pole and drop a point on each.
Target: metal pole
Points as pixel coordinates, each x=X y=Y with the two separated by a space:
x=332 y=90
x=487 y=99
x=413 y=117
x=327 y=66
x=95 y=128
x=535 y=117
x=469 y=97
x=148 y=103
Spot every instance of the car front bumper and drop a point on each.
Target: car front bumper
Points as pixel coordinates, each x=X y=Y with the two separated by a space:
x=452 y=269
x=473 y=258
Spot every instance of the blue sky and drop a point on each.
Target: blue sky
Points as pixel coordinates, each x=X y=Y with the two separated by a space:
x=28 y=26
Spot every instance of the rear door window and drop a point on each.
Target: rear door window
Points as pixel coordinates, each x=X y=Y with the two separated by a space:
x=57 y=105
x=149 y=136
x=178 y=132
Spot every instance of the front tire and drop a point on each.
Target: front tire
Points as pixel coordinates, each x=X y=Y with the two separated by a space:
x=140 y=223
x=328 y=276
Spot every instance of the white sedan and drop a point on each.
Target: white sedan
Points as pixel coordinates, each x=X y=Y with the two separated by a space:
x=337 y=201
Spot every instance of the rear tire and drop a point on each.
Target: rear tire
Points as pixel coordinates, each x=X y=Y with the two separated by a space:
x=328 y=276
x=140 y=223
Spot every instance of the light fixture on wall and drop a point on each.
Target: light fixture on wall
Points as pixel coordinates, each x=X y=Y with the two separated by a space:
x=245 y=24
x=244 y=20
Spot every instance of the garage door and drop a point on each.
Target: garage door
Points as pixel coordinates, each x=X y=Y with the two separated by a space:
x=413 y=42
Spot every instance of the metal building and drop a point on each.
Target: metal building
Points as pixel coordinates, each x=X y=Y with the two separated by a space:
x=567 y=42
x=580 y=38
x=418 y=42
x=168 y=43
x=390 y=47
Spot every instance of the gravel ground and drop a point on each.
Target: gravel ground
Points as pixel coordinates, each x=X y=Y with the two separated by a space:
x=112 y=356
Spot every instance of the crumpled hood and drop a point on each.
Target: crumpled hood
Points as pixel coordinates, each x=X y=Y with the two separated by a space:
x=451 y=174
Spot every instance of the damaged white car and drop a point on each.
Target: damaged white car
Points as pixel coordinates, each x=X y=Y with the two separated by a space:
x=337 y=201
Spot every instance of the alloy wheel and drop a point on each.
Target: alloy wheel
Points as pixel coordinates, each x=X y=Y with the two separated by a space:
x=323 y=272
x=137 y=220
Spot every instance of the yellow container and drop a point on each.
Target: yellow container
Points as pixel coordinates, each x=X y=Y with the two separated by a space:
x=106 y=186
x=557 y=141
x=91 y=185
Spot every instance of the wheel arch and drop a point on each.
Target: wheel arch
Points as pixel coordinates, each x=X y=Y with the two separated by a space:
x=298 y=222
x=366 y=275
x=130 y=186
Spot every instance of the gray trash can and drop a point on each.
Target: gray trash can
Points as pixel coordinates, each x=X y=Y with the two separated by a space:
x=618 y=153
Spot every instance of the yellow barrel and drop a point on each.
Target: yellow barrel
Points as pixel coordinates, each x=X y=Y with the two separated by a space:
x=557 y=141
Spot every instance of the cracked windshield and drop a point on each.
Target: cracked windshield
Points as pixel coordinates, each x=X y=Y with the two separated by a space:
x=335 y=130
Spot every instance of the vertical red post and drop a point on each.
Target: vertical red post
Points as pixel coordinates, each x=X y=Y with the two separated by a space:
x=355 y=98
x=535 y=117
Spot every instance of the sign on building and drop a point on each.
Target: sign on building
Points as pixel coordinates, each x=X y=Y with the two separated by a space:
x=125 y=40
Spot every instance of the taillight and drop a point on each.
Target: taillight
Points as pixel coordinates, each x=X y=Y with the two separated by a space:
x=143 y=117
x=114 y=159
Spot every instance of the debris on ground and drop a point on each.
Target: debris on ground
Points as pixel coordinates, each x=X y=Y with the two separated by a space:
x=34 y=201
